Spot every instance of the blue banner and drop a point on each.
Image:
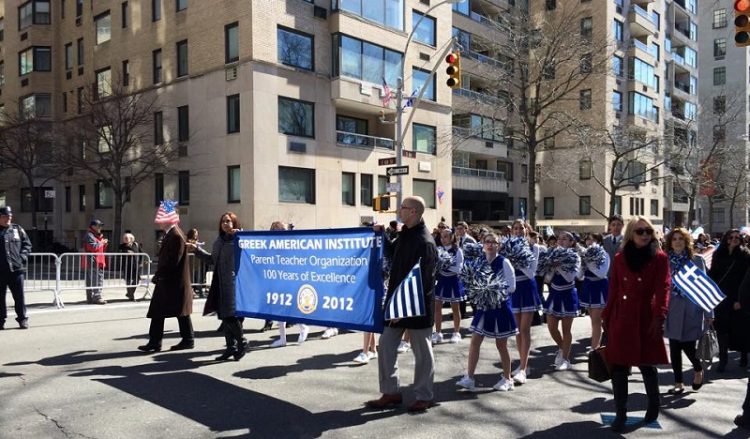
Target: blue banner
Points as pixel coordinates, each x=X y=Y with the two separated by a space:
x=330 y=277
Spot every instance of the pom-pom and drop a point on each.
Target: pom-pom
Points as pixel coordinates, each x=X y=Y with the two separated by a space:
x=518 y=252
x=444 y=260
x=484 y=288
x=564 y=259
x=594 y=256
x=472 y=251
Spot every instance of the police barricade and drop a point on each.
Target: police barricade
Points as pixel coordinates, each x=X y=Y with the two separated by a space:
x=42 y=274
x=200 y=275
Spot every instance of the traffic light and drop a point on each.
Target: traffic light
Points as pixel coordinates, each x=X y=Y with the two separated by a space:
x=453 y=70
x=742 y=23
x=381 y=203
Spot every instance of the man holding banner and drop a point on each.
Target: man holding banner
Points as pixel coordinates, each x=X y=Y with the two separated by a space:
x=414 y=257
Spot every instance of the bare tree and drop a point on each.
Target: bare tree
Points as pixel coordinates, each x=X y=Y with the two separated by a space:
x=732 y=179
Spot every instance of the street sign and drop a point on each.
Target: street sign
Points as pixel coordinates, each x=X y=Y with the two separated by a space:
x=387 y=161
x=398 y=170
x=409 y=154
x=49 y=194
x=393 y=187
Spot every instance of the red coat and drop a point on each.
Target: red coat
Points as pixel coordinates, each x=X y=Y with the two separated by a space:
x=637 y=305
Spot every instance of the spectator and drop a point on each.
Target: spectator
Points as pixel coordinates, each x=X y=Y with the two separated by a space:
x=131 y=265
x=198 y=267
x=95 y=263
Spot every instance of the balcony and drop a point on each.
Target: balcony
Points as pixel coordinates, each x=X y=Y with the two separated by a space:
x=484 y=59
x=681 y=35
x=355 y=140
x=478 y=96
x=642 y=50
x=469 y=140
x=472 y=179
x=356 y=95
x=642 y=24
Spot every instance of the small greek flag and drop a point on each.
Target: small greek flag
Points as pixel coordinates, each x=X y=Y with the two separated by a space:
x=698 y=287
x=408 y=298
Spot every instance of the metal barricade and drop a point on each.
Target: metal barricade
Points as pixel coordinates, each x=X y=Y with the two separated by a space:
x=42 y=274
x=200 y=274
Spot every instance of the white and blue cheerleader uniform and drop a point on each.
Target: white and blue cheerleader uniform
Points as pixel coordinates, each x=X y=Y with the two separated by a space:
x=525 y=298
x=563 y=296
x=595 y=283
x=498 y=322
x=449 y=287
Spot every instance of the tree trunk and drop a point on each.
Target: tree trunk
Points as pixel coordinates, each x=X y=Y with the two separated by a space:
x=731 y=213
x=710 y=215
x=531 y=201
x=34 y=229
x=117 y=221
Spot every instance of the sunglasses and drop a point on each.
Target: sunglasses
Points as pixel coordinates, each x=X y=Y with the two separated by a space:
x=641 y=232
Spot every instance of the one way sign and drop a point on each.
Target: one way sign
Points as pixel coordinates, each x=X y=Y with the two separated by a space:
x=397 y=170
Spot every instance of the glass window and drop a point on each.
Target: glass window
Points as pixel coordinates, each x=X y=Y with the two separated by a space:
x=182 y=58
x=183 y=188
x=103 y=82
x=549 y=206
x=584 y=205
x=584 y=170
x=616 y=100
x=720 y=75
x=43 y=204
x=691 y=57
x=79 y=45
x=691 y=111
x=654 y=207
x=104 y=139
x=82 y=197
x=38 y=105
x=69 y=56
x=365 y=61
x=233 y=114
x=25 y=15
x=234 y=182
x=231 y=43
x=418 y=78
x=424 y=138
x=506 y=168
x=425 y=33
x=183 y=123
x=294 y=48
x=296 y=117
x=618 y=66
x=103 y=24
x=426 y=190
x=158 y=188
x=105 y=196
x=68 y=198
x=584 y=101
x=79 y=8
x=296 y=185
x=382 y=184
x=347 y=188
x=155 y=10
x=158 y=128
x=617 y=30
x=641 y=105
x=156 y=60
x=125 y=14
x=642 y=72
x=365 y=189
x=720 y=47
x=720 y=18
x=181 y=5
x=586 y=63
x=389 y=13
x=125 y=73
x=587 y=27
x=35 y=59
x=462 y=8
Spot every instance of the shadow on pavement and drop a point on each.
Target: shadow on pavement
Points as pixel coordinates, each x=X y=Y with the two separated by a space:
x=574 y=429
x=317 y=362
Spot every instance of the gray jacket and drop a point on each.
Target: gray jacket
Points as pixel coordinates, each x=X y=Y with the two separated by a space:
x=685 y=320
x=611 y=247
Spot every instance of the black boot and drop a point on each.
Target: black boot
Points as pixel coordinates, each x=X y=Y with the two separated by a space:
x=230 y=351
x=651 y=382
x=723 y=339
x=620 y=391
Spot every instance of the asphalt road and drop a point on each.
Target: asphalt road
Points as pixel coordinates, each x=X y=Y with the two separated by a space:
x=77 y=373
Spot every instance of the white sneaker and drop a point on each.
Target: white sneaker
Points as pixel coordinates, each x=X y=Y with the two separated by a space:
x=304 y=330
x=278 y=343
x=466 y=383
x=372 y=355
x=558 y=358
x=362 y=358
x=515 y=371
x=403 y=347
x=330 y=332
x=504 y=385
x=437 y=338
x=565 y=365
x=456 y=337
x=520 y=377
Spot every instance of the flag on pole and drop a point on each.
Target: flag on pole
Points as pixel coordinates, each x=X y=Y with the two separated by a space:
x=167 y=214
x=408 y=298
x=698 y=287
x=409 y=101
x=386 y=94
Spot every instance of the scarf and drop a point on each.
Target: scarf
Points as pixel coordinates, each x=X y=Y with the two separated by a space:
x=637 y=258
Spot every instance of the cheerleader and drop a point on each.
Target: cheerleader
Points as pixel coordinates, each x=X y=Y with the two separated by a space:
x=493 y=316
x=563 y=265
x=525 y=299
x=595 y=265
x=449 y=287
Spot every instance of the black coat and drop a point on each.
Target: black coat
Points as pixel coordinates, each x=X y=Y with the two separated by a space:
x=221 y=296
x=173 y=295
x=412 y=244
x=728 y=271
x=17 y=246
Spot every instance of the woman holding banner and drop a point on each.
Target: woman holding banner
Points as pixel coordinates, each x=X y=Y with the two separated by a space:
x=221 y=297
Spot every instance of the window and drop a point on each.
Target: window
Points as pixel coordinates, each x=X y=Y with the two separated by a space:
x=584 y=169
x=295 y=48
x=347 y=188
x=365 y=61
x=158 y=188
x=82 y=197
x=31 y=106
x=424 y=138
x=125 y=14
x=103 y=83
x=551 y=5
x=79 y=99
x=389 y=13
x=234 y=184
x=2 y=28
x=656 y=50
x=69 y=56
x=691 y=57
x=617 y=27
x=717 y=215
x=68 y=198
x=426 y=190
x=720 y=75
x=125 y=73
x=296 y=118
x=584 y=205
x=183 y=188
x=418 y=79
x=233 y=114
x=720 y=18
x=719 y=134
x=158 y=128
x=182 y=58
x=641 y=105
x=65 y=102
x=584 y=101
x=642 y=72
x=79 y=45
x=522 y=207
x=104 y=195
x=36 y=197
x=155 y=10
x=183 y=123
x=720 y=47
x=103 y=24
x=616 y=100
x=79 y=8
x=549 y=206
x=587 y=27
x=425 y=33
x=353 y=125
x=382 y=184
x=524 y=173
x=33 y=12
x=506 y=168
x=654 y=207
x=231 y=43
x=34 y=59
x=296 y=185
x=156 y=62
x=104 y=139
x=720 y=104
x=181 y=5
x=618 y=66
x=586 y=63
x=365 y=189
x=461 y=8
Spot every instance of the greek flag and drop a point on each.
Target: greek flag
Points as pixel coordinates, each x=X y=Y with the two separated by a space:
x=408 y=298
x=698 y=287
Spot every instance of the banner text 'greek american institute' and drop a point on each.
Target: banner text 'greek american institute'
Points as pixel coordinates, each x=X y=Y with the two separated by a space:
x=330 y=277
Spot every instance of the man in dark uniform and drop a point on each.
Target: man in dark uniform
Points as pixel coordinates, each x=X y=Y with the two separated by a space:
x=13 y=256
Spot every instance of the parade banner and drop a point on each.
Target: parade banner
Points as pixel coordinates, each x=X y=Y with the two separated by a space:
x=330 y=277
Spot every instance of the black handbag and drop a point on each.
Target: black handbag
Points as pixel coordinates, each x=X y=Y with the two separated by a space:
x=708 y=345
x=599 y=369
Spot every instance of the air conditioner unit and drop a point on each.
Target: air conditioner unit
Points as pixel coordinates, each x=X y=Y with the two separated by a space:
x=231 y=73
x=489 y=144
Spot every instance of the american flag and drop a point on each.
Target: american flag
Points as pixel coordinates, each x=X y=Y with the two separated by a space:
x=698 y=287
x=167 y=213
x=386 y=94
x=408 y=299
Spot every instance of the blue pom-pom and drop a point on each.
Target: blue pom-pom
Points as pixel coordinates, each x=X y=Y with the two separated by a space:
x=564 y=259
x=484 y=288
x=594 y=256
x=472 y=250
x=518 y=252
x=444 y=260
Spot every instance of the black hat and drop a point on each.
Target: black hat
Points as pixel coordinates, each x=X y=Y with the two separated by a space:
x=6 y=210
x=95 y=222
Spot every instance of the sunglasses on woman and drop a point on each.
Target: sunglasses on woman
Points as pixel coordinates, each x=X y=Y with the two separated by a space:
x=641 y=232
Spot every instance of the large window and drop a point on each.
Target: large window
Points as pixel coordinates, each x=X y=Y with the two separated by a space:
x=296 y=185
x=295 y=48
x=641 y=105
x=584 y=169
x=549 y=206
x=347 y=188
x=365 y=61
x=426 y=190
x=587 y=27
x=617 y=27
x=234 y=182
x=642 y=72
x=104 y=195
x=296 y=118
x=424 y=138
x=182 y=58
x=39 y=197
x=584 y=100
x=365 y=189
x=183 y=188
x=35 y=59
x=156 y=62
x=618 y=66
x=231 y=43
x=183 y=123
x=158 y=188
x=103 y=24
x=158 y=128
x=155 y=10
x=418 y=78
x=425 y=33
x=720 y=75
x=691 y=57
x=616 y=100
x=584 y=205
x=181 y=5
x=720 y=47
x=720 y=18
x=69 y=56
x=38 y=105
x=389 y=13
x=462 y=8
x=233 y=114
x=33 y=12
x=103 y=83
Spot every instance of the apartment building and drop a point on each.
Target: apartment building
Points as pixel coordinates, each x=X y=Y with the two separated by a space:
x=276 y=105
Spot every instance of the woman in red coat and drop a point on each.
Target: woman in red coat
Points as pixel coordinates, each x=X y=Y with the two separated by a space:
x=633 y=319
